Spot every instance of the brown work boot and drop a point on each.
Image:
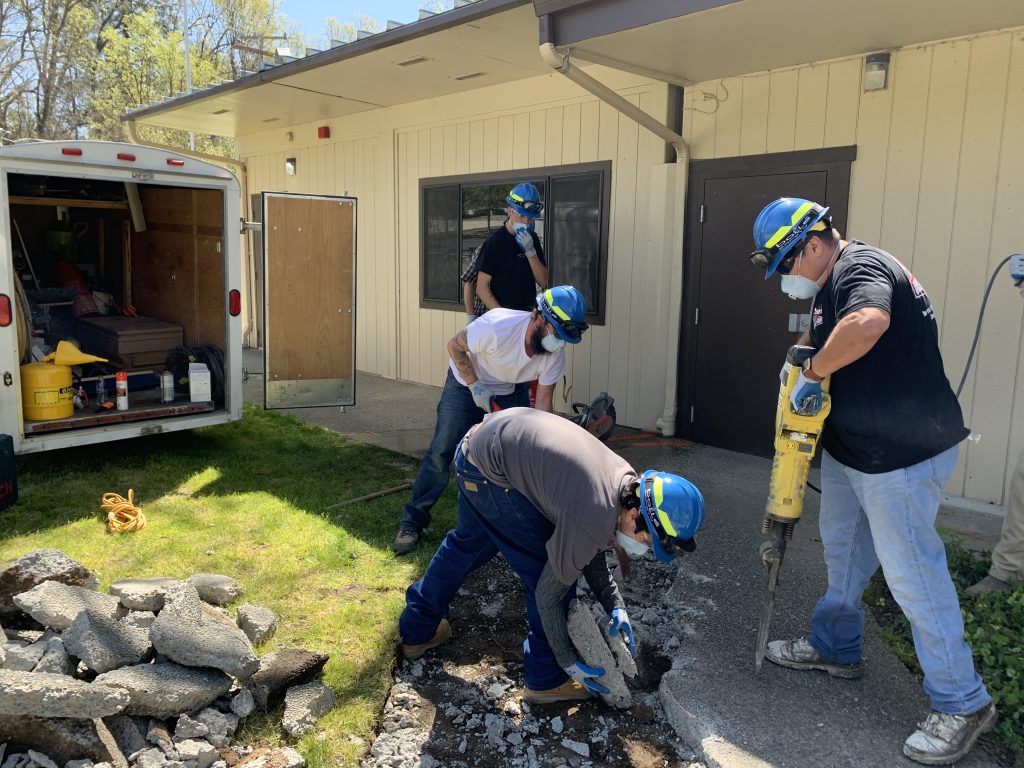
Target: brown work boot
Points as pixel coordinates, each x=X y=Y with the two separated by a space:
x=988 y=584
x=943 y=738
x=570 y=690
x=413 y=651
x=405 y=542
x=800 y=654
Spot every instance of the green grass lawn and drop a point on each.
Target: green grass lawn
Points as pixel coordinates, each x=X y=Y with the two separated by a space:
x=247 y=500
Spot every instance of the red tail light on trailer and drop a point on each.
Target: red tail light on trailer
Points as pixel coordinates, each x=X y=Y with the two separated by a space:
x=175 y=162
x=73 y=151
x=126 y=156
x=6 y=315
x=234 y=302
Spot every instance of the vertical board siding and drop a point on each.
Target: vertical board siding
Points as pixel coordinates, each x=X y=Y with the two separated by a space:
x=938 y=182
x=559 y=134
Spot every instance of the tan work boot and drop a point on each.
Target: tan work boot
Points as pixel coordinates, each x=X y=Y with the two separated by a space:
x=570 y=690
x=405 y=542
x=943 y=738
x=415 y=650
x=986 y=585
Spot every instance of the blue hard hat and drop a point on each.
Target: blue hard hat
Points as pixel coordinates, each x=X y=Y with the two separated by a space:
x=781 y=225
x=566 y=309
x=673 y=509
x=524 y=199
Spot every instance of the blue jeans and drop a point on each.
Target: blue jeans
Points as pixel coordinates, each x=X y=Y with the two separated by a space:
x=491 y=519
x=889 y=519
x=456 y=413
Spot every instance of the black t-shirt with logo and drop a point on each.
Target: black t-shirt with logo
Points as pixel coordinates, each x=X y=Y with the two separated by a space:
x=894 y=406
x=512 y=280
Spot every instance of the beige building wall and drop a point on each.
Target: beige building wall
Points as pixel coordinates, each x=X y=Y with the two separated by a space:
x=381 y=156
x=938 y=182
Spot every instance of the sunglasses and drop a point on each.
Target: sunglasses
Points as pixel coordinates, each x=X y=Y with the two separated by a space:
x=530 y=206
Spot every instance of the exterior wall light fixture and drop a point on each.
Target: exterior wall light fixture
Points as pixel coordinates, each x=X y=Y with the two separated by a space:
x=289 y=166
x=876 y=72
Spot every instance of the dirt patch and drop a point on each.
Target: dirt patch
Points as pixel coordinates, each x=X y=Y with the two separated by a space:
x=460 y=705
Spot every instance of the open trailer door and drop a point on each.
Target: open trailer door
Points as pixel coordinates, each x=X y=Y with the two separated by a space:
x=309 y=250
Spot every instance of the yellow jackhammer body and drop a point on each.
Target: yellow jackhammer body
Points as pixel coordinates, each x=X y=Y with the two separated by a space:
x=796 y=439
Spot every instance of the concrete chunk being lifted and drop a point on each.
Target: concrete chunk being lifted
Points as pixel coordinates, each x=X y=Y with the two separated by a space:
x=56 y=605
x=40 y=694
x=592 y=647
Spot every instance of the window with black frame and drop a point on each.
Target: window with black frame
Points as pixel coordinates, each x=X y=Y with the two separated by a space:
x=460 y=213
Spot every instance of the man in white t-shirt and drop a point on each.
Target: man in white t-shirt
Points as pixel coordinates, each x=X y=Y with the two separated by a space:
x=488 y=358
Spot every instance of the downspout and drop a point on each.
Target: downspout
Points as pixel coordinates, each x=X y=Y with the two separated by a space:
x=561 y=64
x=133 y=137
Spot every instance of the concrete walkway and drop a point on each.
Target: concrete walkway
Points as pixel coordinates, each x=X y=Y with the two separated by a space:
x=712 y=697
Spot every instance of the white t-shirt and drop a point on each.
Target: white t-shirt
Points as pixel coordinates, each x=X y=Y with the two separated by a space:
x=498 y=352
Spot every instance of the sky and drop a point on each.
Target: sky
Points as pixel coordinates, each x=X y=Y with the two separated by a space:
x=311 y=13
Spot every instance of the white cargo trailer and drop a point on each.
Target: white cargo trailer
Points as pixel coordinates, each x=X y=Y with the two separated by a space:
x=134 y=254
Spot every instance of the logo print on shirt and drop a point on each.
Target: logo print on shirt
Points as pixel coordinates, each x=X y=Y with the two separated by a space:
x=816 y=317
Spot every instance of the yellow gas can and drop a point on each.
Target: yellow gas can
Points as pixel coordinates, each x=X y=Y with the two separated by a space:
x=46 y=391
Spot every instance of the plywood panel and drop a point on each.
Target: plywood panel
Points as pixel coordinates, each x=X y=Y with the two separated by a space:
x=211 y=294
x=782 y=88
x=812 y=94
x=309 y=328
x=911 y=73
x=754 y=125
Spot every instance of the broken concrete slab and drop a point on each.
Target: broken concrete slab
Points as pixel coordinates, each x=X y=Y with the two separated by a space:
x=142 y=594
x=279 y=757
x=40 y=694
x=36 y=567
x=257 y=623
x=592 y=648
x=23 y=657
x=196 y=753
x=215 y=589
x=129 y=732
x=104 y=643
x=59 y=739
x=55 y=659
x=189 y=635
x=280 y=670
x=243 y=704
x=56 y=605
x=304 y=705
x=166 y=689
x=220 y=726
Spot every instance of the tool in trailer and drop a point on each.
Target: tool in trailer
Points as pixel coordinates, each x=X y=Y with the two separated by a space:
x=796 y=439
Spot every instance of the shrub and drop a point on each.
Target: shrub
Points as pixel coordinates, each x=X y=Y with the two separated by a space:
x=994 y=627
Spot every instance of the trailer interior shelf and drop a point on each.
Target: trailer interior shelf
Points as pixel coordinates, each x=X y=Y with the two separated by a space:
x=69 y=202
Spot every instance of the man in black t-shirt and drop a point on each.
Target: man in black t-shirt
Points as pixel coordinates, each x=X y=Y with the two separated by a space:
x=889 y=445
x=511 y=262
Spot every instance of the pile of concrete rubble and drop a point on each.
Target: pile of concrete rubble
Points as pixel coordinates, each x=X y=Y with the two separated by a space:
x=155 y=674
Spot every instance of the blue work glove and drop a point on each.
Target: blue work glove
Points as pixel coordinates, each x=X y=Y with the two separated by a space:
x=806 y=396
x=620 y=621
x=585 y=676
x=482 y=396
x=525 y=238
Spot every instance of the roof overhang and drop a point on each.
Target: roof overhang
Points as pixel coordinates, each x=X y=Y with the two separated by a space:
x=691 y=41
x=482 y=43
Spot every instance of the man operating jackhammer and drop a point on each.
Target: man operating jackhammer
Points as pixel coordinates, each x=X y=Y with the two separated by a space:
x=489 y=357
x=890 y=444
x=552 y=499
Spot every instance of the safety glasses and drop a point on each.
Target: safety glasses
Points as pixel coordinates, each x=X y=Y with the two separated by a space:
x=572 y=329
x=762 y=259
x=530 y=206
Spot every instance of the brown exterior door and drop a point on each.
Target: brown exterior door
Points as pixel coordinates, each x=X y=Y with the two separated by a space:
x=309 y=247
x=737 y=326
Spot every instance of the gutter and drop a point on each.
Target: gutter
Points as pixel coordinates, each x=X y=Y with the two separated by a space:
x=560 y=63
x=243 y=178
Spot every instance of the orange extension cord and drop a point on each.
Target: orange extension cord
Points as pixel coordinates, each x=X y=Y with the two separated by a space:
x=122 y=514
